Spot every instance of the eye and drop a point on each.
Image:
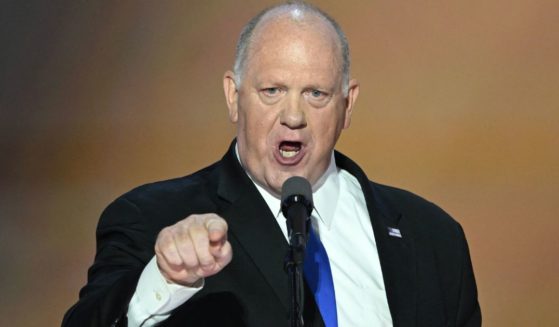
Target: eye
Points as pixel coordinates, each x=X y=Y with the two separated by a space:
x=316 y=93
x=317 y=98
x=271 y=91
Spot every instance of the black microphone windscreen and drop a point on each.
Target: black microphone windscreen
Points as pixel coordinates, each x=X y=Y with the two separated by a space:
x=296 y=185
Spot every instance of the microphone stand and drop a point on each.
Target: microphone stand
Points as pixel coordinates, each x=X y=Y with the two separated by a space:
x=297 y=225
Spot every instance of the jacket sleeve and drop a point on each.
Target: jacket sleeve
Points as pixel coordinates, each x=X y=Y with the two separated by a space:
x=124 y=247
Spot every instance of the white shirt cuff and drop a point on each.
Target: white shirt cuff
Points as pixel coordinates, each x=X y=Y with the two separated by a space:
x=155 y=298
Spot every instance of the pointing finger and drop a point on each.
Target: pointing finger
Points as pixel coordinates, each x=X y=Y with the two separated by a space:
x=217 y=229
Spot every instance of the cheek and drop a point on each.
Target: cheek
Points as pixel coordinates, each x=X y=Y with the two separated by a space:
x=256 y=130
x=327 y=125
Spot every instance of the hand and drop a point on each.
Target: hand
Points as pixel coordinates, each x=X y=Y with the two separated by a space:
x=194 y=248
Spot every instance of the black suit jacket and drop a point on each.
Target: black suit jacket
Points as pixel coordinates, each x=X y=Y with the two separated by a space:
x=427 y=272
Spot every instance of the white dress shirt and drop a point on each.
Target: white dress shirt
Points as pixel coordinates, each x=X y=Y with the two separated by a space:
x=341 y=221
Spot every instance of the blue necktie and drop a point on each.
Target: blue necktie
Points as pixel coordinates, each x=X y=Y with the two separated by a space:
x=319 y=279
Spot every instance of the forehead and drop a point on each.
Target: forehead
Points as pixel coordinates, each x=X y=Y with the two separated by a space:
x=283 y=43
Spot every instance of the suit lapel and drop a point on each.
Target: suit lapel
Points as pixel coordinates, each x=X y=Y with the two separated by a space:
x=397 y=260
x=396 y=255
x=253 y=225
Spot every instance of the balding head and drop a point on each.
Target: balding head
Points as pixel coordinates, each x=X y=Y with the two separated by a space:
x=302 y=15
x=290 y=96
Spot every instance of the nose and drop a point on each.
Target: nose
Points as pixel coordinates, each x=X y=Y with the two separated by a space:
x=293 y=114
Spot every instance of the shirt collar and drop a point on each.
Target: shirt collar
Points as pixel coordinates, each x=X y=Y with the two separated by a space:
x=325 y=194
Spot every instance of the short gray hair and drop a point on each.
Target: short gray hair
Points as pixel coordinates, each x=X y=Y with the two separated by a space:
x=296 y=10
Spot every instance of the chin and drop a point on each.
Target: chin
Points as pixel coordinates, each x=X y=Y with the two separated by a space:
x=285 y=176
x=276 y=183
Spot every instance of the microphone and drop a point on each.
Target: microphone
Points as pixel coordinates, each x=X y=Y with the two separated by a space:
x=296 y=206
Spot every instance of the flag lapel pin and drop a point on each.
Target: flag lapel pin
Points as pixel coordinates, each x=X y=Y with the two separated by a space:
x=394 y=232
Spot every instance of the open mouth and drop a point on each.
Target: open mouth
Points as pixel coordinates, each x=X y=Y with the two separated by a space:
x=289 y=149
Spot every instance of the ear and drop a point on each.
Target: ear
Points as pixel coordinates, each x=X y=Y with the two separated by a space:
x=231 y=95
x=352 y=93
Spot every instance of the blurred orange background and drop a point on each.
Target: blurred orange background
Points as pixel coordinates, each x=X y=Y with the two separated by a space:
x=459 y=103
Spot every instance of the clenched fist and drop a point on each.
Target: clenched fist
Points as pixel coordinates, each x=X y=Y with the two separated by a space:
x=194 y=248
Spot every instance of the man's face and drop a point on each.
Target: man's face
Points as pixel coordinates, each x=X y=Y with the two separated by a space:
x=289 y=109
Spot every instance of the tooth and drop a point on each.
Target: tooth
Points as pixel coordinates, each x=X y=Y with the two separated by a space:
x=288 y=154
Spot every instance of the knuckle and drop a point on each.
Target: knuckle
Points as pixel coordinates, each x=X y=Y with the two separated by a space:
x=205 y=259
x=174 y=260
x=169 y=257
x=185 y=248
x=191 y=262
x=164 y=234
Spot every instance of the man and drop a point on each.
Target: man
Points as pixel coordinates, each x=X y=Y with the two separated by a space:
x=208 y=249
